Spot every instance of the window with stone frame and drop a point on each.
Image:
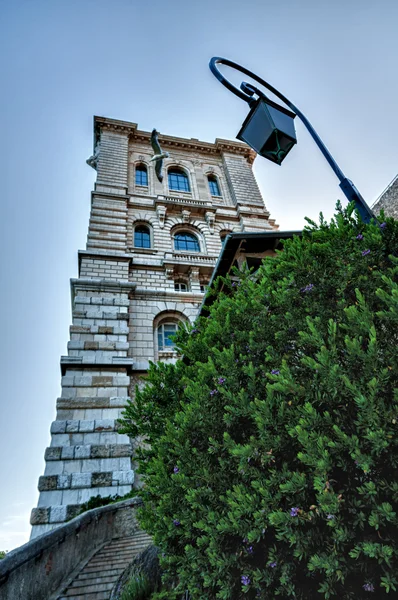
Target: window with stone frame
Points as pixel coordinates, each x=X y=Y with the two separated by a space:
x=142 y=236
x=180 y=285
x=178 y=180
x=165 y=331
x=213 y=185
x=141 y=175
x=187 y=242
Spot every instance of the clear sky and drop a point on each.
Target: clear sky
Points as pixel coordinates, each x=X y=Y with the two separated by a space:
x=64 y=61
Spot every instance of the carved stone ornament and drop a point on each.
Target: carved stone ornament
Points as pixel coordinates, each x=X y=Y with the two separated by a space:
x=210 y=219
x=170 y=272
x=161 y=213
x=93 y=160
x=141 y=157
x=185 y=215
x=194 y=274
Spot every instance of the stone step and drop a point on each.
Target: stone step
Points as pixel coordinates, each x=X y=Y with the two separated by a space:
x=120 y=564
x=132 y=544
x=78 y=584
x=99 y=573
x=127 y=540
x=97 y=578
x=103 y=586
x=94 y=596
x=125 y=553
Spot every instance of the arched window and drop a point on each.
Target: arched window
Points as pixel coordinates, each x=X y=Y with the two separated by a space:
x=165 y=331
x=186 y=241
x=141 y=175
x=213 y=185
x=178 y=180
x=142 y=237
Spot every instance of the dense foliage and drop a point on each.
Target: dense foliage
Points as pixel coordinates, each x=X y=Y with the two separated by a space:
x=272 y=466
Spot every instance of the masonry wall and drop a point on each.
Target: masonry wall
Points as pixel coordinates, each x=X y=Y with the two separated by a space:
x=124 y=294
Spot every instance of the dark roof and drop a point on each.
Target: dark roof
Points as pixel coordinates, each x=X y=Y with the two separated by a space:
x=251 y=242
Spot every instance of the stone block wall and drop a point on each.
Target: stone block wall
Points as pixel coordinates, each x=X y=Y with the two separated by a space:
x=242 y=183
x=88 y=456
x=388 y=201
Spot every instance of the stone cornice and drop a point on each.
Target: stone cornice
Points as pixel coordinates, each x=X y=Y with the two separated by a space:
x=169 y=141
x=102 y=285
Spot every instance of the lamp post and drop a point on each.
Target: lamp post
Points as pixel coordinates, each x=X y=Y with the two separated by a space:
x=269 y=128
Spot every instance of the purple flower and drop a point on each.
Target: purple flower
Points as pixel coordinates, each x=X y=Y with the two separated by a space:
x=275 y=372
x=365 y=252
x=273 y=565
x=359 y=236
x=307 y=288
x=330 y=517
x=369 y=587
x=194 y=331
x=213 y=392
x=221 y=380
x=383 y=225
x=245 y=580
x=234 y=284
x=294 y=511
x=250 y=549
x=176 y=470
x=176 y=522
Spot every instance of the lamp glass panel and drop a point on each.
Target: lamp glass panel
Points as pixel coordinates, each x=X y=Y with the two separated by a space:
x=282 y=122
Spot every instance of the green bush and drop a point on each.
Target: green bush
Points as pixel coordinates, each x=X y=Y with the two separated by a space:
x=137 y=588
x=273 y=454
x=3 y=554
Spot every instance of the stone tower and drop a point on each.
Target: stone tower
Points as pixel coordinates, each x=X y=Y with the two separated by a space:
x=150 y=253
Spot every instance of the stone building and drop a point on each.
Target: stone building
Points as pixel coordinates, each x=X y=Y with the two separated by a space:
x=388 y=200
x=150 y=253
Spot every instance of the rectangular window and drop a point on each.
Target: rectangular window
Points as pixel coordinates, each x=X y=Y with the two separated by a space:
x=180 y=287
x=141 y=176
x=165 y=332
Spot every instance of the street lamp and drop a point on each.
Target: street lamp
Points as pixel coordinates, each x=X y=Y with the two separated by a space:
x=269 y=128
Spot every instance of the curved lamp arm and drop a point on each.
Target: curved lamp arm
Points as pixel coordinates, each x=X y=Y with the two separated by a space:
x=346 y=185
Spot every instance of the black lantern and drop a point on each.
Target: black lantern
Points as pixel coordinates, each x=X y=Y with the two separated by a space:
x=269 y=130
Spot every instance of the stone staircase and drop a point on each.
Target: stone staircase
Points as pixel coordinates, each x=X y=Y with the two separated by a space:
x=99 y=575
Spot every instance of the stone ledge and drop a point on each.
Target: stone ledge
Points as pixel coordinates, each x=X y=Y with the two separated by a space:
x=83 y=426
x=81 y=363
x=86 y=451
x=101 y=285
x=48 y=483
x=92 y=402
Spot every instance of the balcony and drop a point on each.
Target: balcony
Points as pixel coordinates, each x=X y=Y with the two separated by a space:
x=180 y=202
x=194 y=258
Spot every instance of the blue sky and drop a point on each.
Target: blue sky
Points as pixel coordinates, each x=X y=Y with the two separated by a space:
x=146 y=62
